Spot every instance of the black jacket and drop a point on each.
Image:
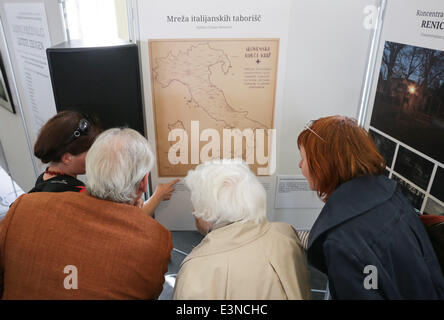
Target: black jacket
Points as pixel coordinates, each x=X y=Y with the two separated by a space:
x=60 y=183
x=367 y=221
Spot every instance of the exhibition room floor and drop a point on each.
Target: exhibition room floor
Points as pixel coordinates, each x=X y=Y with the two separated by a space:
x=183 y=242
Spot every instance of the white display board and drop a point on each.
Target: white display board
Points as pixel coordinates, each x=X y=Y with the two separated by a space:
x=293 y=191
x=406 y=105
x=17 y=157
x=213 y=22
x=30 y=39
x=16 y=129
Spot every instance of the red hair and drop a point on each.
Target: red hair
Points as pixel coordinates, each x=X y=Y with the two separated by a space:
x=342 y=151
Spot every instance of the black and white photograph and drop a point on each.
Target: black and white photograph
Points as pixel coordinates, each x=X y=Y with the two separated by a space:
x=413 y=195
x=409 y=101
x=5 y=94
x=386 y=147
x=413 y=167
x=438 y=184
x=433 y=207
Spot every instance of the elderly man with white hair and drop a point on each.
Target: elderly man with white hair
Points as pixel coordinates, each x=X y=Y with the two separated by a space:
x=93 y=245
x=243 y=255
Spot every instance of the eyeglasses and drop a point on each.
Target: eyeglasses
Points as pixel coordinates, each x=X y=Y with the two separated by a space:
x=83 y=128
x=308 y=125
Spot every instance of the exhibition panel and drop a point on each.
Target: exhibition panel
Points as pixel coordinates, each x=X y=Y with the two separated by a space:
x=407 y=114
x=213 y=87
x=28 y=28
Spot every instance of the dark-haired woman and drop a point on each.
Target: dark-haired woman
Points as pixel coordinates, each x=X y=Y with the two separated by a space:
x=368 y=239
x=63 y=143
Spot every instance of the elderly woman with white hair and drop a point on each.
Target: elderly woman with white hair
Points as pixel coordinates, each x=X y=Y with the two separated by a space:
x=243 y=255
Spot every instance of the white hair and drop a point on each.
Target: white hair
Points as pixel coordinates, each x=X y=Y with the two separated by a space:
x=226 y=191
x=116 y=164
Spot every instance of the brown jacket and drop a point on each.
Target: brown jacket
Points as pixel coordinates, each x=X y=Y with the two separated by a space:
x=245 y=260
x=118 y=251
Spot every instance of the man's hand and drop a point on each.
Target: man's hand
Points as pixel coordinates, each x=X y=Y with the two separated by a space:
x=165 y=191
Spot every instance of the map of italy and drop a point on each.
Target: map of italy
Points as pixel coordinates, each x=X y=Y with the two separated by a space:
x=223 y=84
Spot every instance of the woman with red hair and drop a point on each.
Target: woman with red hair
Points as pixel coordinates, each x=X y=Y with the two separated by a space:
x=368 y=239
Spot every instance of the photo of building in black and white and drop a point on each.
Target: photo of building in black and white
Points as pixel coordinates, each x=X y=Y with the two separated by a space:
x=433 y=207
x=413 y=167
x=438 y=184
x=386 y=147
x=413 y=195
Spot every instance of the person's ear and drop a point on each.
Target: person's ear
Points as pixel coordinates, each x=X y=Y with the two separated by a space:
x=202 y=226
x=143 y=184
x=66 y=158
